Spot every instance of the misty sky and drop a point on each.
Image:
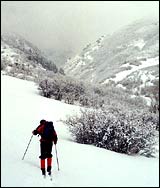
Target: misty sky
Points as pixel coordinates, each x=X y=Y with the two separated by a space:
x=71 y=25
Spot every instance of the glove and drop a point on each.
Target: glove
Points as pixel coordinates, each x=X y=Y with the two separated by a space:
x=34 y=132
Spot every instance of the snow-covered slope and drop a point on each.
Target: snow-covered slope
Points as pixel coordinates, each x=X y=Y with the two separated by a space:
x=21 y=58
x=125 y=51
x=80 y=165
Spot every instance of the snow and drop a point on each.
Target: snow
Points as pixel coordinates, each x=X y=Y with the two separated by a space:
x=139 y=43
x=90 y=57
x=148 y=100
x=80 y=165
x=8 y=53
x=8 y=68
x=121 y=75
x=72 y=65
x=95 y=48
x=87 y=56
x=121 y=86
x=145 y=76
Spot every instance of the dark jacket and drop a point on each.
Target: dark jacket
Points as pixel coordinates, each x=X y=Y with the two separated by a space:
x=39 y=130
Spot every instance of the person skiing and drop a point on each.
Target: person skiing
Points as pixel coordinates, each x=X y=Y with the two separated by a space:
x=46 y=143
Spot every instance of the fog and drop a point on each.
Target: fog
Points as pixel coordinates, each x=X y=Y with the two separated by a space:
x=70 y=25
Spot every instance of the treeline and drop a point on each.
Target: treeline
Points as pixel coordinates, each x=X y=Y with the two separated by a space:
x=71 y=91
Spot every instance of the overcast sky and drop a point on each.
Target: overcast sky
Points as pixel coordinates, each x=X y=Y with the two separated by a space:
x=71 y=24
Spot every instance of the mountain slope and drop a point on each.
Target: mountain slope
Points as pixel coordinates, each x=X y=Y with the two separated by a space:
x=129 y=58
x=21 y=58
x=115 y=53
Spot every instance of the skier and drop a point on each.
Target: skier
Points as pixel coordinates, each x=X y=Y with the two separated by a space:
x=46 y=144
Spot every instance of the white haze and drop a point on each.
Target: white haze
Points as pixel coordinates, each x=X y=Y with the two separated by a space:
x=70 y=25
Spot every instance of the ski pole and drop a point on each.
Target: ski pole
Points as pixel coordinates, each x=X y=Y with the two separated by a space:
x=27 y=147
x=57 y=157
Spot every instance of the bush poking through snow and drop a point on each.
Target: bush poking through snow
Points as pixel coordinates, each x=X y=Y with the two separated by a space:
x=130 y=133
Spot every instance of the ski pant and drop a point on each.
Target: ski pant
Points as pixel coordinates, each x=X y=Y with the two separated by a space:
x=46 y=150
